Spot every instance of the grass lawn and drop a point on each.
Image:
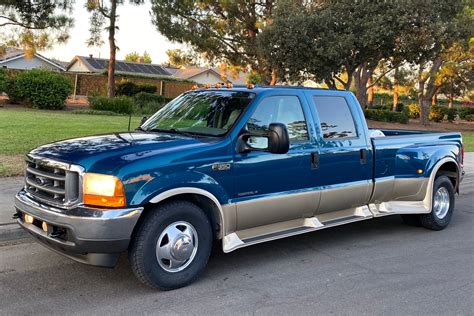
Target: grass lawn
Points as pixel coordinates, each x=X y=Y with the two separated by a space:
x=22 y=130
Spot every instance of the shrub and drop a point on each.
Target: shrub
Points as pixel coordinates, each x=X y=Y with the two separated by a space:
x=42 y=88
x=451 y=114
x=129 y=88
x=95 y=112
x=437 y=113
x=148 y=103
x=143 y=98
x=399 y=107
x=414 y=111
x=3 y=80
x=386 y=116
x=464 y=111
x=380 y=107
x=470 y=117
x=123 y=105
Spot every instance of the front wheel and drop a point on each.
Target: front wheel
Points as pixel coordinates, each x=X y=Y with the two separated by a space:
x=442 y=205
x=171 y=246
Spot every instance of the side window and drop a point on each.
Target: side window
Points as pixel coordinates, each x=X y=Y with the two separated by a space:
x=335 y=117
x=280 y=109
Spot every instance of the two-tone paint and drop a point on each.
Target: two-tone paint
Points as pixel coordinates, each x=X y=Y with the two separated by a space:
x=258 y=196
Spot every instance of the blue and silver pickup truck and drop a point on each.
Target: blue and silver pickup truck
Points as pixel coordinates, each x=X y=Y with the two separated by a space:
x=234 y=166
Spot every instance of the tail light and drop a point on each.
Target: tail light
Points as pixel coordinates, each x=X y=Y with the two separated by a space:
x=462 y=154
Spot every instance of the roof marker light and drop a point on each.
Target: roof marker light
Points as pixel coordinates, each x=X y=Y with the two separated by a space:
x=250 y=86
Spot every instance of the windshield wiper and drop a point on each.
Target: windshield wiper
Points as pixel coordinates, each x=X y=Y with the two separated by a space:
x=139 y=128
x=175 y=131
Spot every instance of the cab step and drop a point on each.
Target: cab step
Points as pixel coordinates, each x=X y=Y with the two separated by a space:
x=255 y=235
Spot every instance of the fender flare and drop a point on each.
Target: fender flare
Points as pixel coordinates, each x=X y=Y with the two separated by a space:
x=191 y=190
x=427 y=201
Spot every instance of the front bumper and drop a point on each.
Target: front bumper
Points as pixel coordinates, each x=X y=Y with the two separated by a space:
x=88 y=235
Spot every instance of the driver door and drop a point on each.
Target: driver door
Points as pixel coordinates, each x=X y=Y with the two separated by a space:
x=272 y=188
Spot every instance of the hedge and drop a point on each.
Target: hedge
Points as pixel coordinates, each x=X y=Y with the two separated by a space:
x=148 y=103
x=43 y=89
x=470 y=117
x=123 y=105
x=129 y=88
x=386 y=116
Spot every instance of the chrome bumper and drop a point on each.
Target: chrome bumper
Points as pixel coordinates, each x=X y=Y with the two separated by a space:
x=91 y=236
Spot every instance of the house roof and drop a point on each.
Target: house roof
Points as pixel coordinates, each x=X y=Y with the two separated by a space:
x=12 y=53
x=189 y=73
x=100 y=65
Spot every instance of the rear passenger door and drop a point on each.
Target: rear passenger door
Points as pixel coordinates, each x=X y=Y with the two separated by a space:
x=345 y=171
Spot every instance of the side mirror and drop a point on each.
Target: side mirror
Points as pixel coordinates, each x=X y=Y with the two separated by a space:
x=275 y=141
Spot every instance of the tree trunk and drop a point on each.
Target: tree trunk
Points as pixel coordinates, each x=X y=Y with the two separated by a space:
x=424 y=104
x=434 y=99
x=113 y=50
x=274 y=78
x=428 y=81
x=370 y=93
x=451 y=95
x=361 y=79
x=395 y=90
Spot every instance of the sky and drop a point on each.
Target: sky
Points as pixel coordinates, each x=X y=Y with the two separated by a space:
x=136 y=33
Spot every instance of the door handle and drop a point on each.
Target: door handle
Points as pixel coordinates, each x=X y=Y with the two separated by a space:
x=363 y=156
x=314 y=160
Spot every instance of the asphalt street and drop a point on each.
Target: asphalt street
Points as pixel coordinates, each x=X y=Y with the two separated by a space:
x=378 y=266
x=374 y=267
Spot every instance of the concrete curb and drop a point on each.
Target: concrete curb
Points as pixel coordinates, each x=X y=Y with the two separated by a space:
x=11 y=232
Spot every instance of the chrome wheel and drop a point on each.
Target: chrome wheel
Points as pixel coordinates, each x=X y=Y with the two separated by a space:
x=177 y=246
x=441 y=203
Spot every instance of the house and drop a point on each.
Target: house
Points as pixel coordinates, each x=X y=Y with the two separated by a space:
x=203 y=75
x=15 y=58
x=199 y=75
x=92 y=64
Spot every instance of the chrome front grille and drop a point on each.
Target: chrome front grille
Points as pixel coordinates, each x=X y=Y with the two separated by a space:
x=52 y=182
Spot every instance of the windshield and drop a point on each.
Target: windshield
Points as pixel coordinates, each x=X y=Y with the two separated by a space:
x=210 y=113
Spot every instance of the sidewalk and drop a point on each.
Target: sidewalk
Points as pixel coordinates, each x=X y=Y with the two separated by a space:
x=9 y=229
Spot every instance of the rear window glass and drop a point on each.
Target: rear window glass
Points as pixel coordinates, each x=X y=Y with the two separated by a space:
x=335 y=117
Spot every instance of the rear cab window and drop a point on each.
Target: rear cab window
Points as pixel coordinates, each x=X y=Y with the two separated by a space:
x=335 y=117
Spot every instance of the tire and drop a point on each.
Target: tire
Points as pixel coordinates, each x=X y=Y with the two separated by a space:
x=442 y=211
x=411 y=220
x=178 y=226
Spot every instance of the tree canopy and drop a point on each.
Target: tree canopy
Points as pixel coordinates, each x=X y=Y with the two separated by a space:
x=35 y=25
x=136 y=57
x=225 y=31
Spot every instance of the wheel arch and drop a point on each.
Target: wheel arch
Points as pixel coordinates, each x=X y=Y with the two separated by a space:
x=445 y=166
x=202 y=198
x=450 y=169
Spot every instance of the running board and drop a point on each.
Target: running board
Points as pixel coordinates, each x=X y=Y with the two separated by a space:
x=275 y=231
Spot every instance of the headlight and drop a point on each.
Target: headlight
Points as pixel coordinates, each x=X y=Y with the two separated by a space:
x=102 y=190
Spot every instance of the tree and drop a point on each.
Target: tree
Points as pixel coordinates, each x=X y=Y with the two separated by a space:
x=226 y=31
x=329 y=40
x=35 y=25
x=135 y=57
x=431 y=28
x=179 y=58
x=456 y=75
x=100 y=13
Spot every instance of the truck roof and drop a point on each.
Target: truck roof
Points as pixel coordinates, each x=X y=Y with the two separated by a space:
x=261 y=88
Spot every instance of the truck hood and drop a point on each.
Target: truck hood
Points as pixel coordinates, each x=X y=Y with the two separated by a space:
x=115 y=150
